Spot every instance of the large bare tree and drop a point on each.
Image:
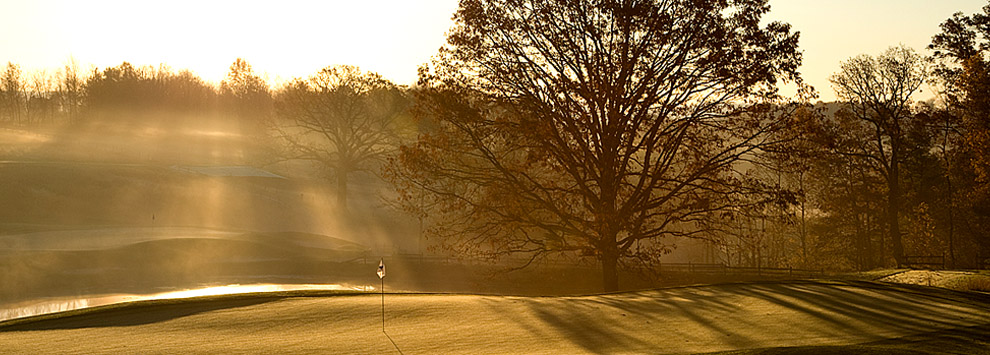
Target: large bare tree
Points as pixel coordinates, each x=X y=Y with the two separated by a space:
x=342 y=119
x=878 y=91
x=594 y=128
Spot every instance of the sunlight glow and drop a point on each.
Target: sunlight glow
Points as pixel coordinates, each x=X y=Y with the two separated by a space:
x=296 y=38
x=54 y=306
x=239 y=289
x=214 y=134
x=286 y=39
x=834 y=31
x=15 y=136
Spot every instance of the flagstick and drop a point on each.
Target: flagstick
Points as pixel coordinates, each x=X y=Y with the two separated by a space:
x=383 y=304
x=381 y=276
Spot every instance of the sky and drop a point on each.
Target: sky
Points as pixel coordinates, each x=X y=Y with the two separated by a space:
x=285 y=39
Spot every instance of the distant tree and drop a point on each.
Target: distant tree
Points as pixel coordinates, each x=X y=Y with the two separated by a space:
x=924 y=187
x=115 y=93
x=146 y=94
x=850 y=193
x=342 y=119
x=788 y=167
x=14 y=98
x=878 y=91
x=41 y=101
x=71 y=89
x=187 y=95
x=594 y=127
x=246 y=96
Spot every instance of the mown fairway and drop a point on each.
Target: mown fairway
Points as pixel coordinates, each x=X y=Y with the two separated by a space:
x=894 y=319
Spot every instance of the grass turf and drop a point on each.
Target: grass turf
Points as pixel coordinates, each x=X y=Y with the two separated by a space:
x=762 y=318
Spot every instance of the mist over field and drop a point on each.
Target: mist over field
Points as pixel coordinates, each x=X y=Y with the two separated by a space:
x=108 y=208
x=112 y=207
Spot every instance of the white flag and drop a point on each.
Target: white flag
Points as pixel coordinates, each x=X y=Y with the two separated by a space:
x=381 y=269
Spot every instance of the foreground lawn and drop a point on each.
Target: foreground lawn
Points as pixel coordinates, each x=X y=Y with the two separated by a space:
x=788 y=316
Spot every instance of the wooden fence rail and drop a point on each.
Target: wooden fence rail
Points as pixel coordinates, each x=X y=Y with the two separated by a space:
x=737 y=270
x=694 y=268
x=925 y=261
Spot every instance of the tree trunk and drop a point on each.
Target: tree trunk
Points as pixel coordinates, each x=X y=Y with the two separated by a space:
x=861 y=255
x=871 y=258
x=342 y=189
x=804 y=227
x=948 y=185
x=609 y=257
x=607 y=215
x=893 y=204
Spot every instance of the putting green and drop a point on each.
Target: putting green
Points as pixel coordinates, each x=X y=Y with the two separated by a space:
x=676 y=320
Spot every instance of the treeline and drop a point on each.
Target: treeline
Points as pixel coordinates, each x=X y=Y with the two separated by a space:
x=881 y=180
x=126 y=93
x=535 y=144
x=42 y=96
x=547 y=147
x=341 y=119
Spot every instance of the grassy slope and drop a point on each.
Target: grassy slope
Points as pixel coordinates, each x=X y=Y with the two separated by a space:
x=961 y=280
x=82 y=194
x=70 y=263
x=677 y=320
x=115 y=174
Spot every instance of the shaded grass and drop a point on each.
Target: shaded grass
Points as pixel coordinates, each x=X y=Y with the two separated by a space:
x=154 y=263
x=981 y=284
x=963 y=341
x=153 y=311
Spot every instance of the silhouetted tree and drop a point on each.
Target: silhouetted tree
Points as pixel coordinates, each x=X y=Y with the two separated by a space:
x=71 y=89
x=245 y=96
x=594 y=127
x=788 y=167
x=961 y=51
x=963 y=37
x=187 y=95
x=878 y=91
x=342 y=119
x=115 y=93
x=41 y=103
x=14 y=93
x=148 y=94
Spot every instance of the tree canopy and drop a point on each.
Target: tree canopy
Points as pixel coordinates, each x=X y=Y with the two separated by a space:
x=595 y=127
x=878 y=91
x=341 y=118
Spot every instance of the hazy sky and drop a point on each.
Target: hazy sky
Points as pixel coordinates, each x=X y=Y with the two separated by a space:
x=297 y=38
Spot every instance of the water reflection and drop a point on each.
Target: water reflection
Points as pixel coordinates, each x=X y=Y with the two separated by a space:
x=34 y=308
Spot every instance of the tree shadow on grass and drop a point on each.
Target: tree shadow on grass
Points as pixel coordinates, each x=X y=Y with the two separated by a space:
x=130 y=314
x=963 y=340
x=744 y=316
x=608 y=323
x=873 y=305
